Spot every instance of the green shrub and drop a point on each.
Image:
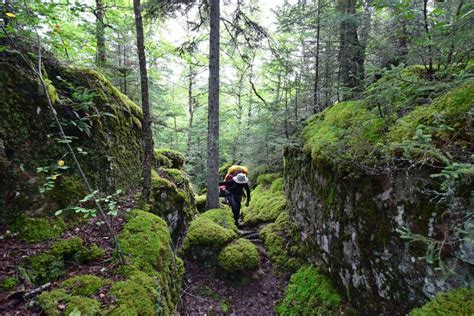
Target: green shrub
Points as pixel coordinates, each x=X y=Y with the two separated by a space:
x=309 y=293
x=458 y=302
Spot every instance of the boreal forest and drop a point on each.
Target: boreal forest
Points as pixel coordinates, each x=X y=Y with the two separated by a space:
x=237 y=157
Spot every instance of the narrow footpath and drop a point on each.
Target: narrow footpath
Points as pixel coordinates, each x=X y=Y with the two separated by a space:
x=206 y=293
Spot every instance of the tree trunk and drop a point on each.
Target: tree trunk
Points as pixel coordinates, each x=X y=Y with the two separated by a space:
x=190 y=108
x=212 y=200
x=147 y=134
x=428 y=35
x=351 y=58
x=316 y=108
x=100 y=33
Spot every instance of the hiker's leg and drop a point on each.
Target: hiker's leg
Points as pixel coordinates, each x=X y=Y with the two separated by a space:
x=238 y=204
x=234 y=206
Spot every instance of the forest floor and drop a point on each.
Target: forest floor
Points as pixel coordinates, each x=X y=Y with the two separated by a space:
x=207 y=293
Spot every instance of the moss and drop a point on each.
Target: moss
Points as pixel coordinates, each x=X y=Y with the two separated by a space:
x=241 y=256
x=209 y=233
x=177 y=176
x=160 y=160
x=342 y=132
x=9 y=283
x=177 y=159
x=309 y=293
x=85 y=285
x=50 y=265
x=200 y=201
x=266 y=203
x=267 y=179
x=68 y=190
x=455 y=302
x=82 y=306
x=36 y=229
x=50 y=303
x=453 y=107
x=146 y=243
x=283 y=243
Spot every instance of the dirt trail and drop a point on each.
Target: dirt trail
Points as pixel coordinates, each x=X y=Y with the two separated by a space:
x=206 y=293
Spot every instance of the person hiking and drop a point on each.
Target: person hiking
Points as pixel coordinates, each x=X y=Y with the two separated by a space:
x=235 y=190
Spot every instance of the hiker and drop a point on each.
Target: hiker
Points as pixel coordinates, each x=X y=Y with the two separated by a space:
x=232 y=172
x=235 y=190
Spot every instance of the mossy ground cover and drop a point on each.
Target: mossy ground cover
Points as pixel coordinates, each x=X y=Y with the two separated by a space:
x=268 y=201
x=458 y=302
x=309 y=293
x=36 y=230
x=355 y=130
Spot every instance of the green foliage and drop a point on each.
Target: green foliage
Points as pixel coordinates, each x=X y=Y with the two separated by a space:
x=309 y=293
x=241 y=256
x=9 y=283
x=36 y=230
x=267 y=202
x=84 y=285
x=283 y=243
x=456 y=302
x=209 y=233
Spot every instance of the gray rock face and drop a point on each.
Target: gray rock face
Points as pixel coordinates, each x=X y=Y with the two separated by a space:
x=352 y=225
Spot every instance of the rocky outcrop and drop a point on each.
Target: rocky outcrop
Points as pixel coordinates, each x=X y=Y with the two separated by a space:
x=104 y=126
x=352 y=210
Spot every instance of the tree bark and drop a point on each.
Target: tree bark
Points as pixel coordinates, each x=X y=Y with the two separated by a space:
x=100 y=33
x=351 y=57
x=316 y=107
x=147 y=134
x=212 y=200
x=190 y=108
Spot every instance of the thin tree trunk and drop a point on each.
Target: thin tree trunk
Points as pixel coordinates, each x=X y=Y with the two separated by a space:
x=212 y=200
x=100 y=33
x=190 y=109
x=147 y=134
x=316 y=61
x=428 y=34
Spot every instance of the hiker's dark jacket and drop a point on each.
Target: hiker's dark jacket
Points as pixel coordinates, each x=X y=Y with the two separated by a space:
x=237 y=189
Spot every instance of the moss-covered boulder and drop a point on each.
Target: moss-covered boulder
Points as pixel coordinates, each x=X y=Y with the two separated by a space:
x=169 y=158
x=239 y=257
x=50 y=265
x=309 y=293
x=36 y=230
x=59 y=302
x=283 y=243
x=268 y=201
x=104 y=126
x=200 y=201
x=85 y=285
x=458 y=302
x=208 y=234
x=172 y=198
x=152 y=267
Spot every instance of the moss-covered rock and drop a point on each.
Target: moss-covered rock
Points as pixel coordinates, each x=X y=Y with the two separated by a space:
x=176 y=158
x=59 y=302
x=283 y=243
x=36 y=230
x=267 y=201
x=209 y=233
x=48 y=266
x=172 y=198
x=153 y=267
x=200 y=201
x=101 y=121
x=309 y=293
x=458 y=302
x=85 y=285
x=160 y=160
x=241 y=256
x=267 y=179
